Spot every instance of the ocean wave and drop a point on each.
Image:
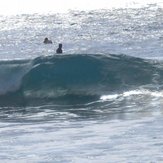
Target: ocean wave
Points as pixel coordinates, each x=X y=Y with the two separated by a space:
x=74 y=78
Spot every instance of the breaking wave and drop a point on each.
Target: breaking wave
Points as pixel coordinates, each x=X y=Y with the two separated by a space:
x=75 y=78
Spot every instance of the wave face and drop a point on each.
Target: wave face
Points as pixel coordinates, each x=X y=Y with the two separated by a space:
x=74 y=78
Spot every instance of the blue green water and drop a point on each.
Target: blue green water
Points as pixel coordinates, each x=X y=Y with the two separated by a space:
x=99 y=101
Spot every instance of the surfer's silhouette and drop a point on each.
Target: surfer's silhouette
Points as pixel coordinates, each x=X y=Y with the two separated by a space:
x=59 y=49
x=47 y=41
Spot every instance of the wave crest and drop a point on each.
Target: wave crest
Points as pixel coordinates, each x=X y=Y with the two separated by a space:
x=74 y=78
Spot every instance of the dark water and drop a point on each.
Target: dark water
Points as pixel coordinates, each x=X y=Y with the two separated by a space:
x=75 y=79
x=84 y=106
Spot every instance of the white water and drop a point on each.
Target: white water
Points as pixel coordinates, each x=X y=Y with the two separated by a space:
x=9 y=7
x=126 y=128
x=83 y=141
x=137 y=32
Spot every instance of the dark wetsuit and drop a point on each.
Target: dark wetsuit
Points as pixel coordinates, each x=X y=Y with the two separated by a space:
x=47 y=41
x=59 y=50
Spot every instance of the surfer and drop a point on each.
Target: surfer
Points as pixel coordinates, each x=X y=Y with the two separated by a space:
x=47 y=41
x=59 y=49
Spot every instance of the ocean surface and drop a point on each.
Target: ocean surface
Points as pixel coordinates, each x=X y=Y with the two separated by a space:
x=99 y=101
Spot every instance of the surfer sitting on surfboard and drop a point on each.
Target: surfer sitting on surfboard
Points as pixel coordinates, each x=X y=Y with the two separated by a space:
x=59 y=50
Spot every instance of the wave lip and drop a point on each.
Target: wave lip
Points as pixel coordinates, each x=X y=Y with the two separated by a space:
x=74 y=78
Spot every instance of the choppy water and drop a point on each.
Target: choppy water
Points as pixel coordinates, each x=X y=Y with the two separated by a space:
x=101 y=101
